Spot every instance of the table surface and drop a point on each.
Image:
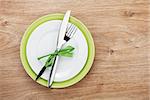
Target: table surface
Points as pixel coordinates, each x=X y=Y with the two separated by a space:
x=120 y=31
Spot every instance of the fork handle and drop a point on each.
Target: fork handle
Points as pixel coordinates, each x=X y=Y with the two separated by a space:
x=40 y=73
x=52 y=72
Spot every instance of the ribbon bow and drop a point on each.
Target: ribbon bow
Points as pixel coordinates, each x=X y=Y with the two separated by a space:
x=67 y=52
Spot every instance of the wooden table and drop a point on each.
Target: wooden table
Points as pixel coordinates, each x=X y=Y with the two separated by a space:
x=120 y=29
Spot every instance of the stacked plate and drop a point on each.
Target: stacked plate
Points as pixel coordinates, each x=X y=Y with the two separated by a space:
x=40 y=39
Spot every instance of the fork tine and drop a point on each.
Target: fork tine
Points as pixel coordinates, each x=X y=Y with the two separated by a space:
x=70 y=29
x=73 y=32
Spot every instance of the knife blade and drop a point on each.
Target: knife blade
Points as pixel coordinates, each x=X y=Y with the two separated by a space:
x=60 y=42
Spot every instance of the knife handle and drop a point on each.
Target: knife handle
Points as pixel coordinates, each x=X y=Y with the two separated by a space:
x=40 y=73
x=53 y=71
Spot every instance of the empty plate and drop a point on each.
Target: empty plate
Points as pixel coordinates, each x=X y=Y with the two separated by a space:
x=40 y=39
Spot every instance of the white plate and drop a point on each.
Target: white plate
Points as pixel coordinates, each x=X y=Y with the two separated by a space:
x=43 y=40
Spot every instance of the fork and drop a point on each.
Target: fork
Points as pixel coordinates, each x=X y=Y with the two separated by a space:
x=70 y=31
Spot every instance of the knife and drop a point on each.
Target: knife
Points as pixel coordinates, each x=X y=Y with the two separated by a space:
x=60 y=43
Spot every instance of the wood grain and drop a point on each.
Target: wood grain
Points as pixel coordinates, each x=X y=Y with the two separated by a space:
x=120 y=29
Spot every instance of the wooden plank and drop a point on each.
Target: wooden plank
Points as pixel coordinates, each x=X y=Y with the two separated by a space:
x=120 y=29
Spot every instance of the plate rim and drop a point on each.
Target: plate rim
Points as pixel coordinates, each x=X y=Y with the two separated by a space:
x=83 y=29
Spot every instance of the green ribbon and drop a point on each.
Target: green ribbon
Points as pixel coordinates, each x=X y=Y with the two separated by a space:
x=66 y=52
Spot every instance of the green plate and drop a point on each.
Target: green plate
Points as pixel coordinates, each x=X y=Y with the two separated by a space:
x=86 y=33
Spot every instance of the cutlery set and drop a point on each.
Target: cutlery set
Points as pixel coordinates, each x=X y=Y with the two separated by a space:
x=66 y=32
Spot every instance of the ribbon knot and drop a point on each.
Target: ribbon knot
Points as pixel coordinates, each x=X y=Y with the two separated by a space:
x=66 y=52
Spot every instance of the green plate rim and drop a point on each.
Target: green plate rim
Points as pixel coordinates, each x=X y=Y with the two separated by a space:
x=83 y=29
